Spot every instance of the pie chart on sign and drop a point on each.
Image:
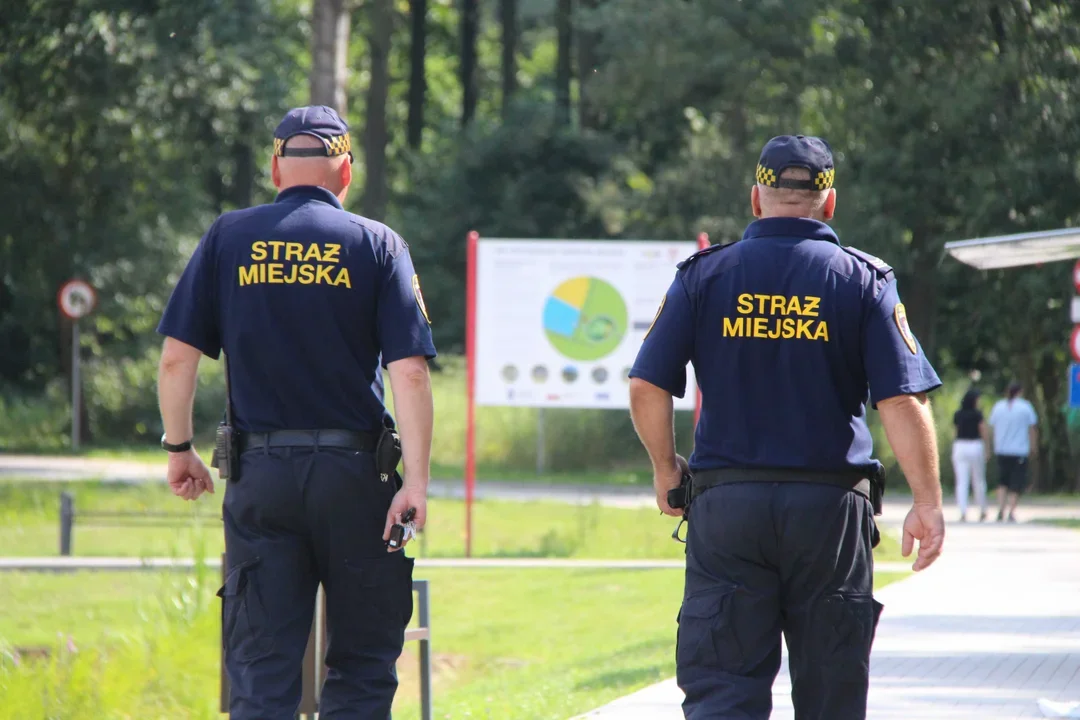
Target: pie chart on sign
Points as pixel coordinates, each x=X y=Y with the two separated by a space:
x=585 y=318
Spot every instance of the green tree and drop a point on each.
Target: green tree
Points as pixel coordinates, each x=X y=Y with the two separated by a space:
x=126 y=126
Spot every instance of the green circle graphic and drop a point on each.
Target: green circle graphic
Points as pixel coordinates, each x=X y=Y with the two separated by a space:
x=585 y=318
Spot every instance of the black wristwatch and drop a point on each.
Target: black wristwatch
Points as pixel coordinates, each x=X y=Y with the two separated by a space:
x=182 y=447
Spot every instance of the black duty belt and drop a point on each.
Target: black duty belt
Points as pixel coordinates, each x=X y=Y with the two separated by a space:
x=342 y=439
x=705 y=479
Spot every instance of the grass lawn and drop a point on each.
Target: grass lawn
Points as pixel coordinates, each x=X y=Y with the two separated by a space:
x=29 y=526
x=121 y=641
x=629 y=477
x=145 y=644
x=1060 y=522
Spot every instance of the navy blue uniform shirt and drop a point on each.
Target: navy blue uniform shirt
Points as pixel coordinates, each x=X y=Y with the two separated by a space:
x=304 y=298
x=789 y=334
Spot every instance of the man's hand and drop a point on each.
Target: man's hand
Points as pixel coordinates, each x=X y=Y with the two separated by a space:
x=665 y=479
x=409 y=496
x=188 y=475
x=925 y=523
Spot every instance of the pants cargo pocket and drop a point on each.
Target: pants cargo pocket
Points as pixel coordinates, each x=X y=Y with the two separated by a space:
x=845 y=626
x=707 y=635
x=380 y=590
x=246 y=630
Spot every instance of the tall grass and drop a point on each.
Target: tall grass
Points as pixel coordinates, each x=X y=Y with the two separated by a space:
x=153 y=666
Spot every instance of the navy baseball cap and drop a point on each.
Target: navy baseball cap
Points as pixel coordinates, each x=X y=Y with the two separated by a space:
x=317 y=121
x=786 y=151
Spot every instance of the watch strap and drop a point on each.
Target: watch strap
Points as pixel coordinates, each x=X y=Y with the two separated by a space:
x=181 y=447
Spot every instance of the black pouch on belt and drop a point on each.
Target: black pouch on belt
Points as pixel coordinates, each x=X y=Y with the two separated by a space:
x=387 y=452
x=877 y=489
x=224 y=451
x=226 y=456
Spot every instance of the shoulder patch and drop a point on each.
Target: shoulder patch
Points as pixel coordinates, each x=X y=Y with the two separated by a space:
x=655 y=317
x=702 y=252
x=882 y=268
x=420 y=297
x=900 y=316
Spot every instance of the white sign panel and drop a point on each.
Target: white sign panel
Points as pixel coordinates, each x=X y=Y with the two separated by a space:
x=1074 y=310
x=559 y=322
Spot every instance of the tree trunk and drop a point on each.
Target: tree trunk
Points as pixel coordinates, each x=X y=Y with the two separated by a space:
x=919 y=292
x=243 y=184
x=470 y=30
x=375 y=133
x=564 y=63
x=215 y=183
x=417 y=76
x=329 y=53
x=1054 y=457
x=508 y=19
x=588 y=40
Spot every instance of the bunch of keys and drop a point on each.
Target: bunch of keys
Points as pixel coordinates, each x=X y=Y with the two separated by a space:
x=401 y=533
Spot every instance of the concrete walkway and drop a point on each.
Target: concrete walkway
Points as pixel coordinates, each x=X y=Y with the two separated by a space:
x=986 y=632
x=62 y=468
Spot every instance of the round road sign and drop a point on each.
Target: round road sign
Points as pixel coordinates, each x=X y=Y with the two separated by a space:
x=76 y=299
x=1074 y=343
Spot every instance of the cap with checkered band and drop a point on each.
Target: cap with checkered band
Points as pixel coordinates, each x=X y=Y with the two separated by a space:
x=787 y=151
x=318 y=121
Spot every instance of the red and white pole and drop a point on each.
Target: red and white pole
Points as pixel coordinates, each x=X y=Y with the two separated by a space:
x=470 y=384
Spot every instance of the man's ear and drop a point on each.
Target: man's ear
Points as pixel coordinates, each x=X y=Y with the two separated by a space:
x=275 y=171
x=830 y=205
x=346 y=174
x=755 y=201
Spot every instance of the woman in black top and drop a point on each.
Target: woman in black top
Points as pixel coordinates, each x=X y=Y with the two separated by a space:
x=969 y=454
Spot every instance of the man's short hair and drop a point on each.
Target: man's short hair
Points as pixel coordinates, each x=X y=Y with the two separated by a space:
x=812 y=200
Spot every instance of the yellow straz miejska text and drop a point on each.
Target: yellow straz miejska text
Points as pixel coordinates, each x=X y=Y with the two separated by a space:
x=306 y=264
x=777 y=317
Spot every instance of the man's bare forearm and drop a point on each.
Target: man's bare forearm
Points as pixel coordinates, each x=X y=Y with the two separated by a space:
x=909 y=427
x=177 y=375
x=410 y=381
x=653 y=413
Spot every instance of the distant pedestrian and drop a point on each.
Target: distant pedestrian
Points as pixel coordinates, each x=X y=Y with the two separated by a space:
x=1016 y=438
x=969 y=453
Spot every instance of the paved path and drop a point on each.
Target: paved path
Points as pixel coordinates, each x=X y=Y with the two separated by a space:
x=58 y=564
x=66 y=469
x=986 y=632
x=60 y=468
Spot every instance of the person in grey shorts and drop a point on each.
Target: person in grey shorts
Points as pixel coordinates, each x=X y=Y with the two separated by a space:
x=1016 y=439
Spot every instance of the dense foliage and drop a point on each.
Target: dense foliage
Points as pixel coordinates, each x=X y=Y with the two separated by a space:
x=127 y=125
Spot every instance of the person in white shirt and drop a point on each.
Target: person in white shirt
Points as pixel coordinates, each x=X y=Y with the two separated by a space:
x=1016 y=438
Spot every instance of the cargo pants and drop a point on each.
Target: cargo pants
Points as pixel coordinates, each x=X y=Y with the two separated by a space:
x=771 y=559
x=295 y=518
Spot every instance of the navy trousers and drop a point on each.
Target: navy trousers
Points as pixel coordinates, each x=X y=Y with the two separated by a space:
x=297 y=517
x=765 y=559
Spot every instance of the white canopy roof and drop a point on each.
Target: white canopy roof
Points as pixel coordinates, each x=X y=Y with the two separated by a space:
x=1015 y=250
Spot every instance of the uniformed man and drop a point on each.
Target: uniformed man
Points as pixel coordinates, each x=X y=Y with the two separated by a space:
x=306 y=300
x=790 y=333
